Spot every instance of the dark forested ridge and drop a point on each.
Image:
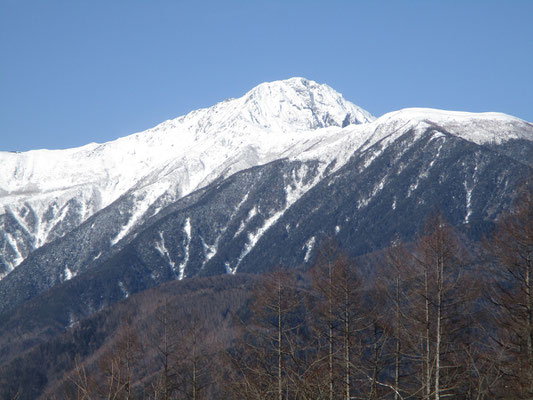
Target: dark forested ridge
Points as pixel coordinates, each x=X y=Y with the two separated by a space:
x=438 y=318
x=211 y=302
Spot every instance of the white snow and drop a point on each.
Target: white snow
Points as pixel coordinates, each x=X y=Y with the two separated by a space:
x=187 y=230
x=68 y=274
x=480 y=128
x=294 y=191
x=412 y=187
x=72 y=320
x=13 y=243
x=252 y=213
x=363 y=202
x=296 y=118
x=160 y=246
x=145 y=198
x=469 y=185
x=468 y=202
x=309 y=247
x=209 y=251
x=123 y=289
x=229 y=269
x=16 y=215
x=253 y=237
x=162 y=249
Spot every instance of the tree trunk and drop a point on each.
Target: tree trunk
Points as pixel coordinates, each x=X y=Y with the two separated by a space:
x=529 y=332
x=428 y=339
x=347 y=343
x=330 y=332
x=280 y=352
x=440 y=267
x=398 y=344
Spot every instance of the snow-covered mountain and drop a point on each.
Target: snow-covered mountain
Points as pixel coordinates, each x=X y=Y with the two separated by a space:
x=245 y=185
x=46 y=193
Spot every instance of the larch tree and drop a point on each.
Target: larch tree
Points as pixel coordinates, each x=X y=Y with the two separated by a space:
x=265 y=354
x=440 y=304
x=512 y=293
x=118 y=365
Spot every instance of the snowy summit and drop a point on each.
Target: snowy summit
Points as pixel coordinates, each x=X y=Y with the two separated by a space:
x=44 y=194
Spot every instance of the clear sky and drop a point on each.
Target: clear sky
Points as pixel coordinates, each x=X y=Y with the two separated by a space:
x=80 y=71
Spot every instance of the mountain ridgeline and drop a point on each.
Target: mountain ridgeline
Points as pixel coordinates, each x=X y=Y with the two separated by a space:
x=249 y=184
x=242 y=187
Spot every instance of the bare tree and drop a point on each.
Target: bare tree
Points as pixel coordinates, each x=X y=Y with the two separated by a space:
x=347 y=297
x=117 y=365
x=512 y=293
x=164 y=337
x=440 y=305
x=394 y=286
x=336 y=306
x=194 y=359
x=263 y=357
x=324 y=306
x=83 y=382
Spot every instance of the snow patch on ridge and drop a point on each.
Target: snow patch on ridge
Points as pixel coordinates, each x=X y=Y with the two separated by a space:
x=162 y=249
x=68 y=274
x=255 y=236
x=377 y=188
x=16 y=215
x=123 y=289
x=251 y=214
x=469 y=188
x=293 y=192
x=142 y=202
x=209 y=251
x=468 y=202
x=187 y=230
x=14 y=246
x=308 y=248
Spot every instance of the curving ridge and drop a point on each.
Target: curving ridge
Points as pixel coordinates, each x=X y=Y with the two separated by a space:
x=480 y=128
x=46 y=193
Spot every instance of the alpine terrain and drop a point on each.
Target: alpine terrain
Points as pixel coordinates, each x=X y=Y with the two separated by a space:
x=239 y=188
x=248 y=184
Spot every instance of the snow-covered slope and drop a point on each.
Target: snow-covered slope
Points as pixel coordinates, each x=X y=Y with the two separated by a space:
x=316 y=171
x=46 y=193
x=480 y=128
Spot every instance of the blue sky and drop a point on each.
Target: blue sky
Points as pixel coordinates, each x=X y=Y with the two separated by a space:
x=74 y=72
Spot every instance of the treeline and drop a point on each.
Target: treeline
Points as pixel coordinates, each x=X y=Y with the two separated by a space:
x=49 y=370
x=439 y=320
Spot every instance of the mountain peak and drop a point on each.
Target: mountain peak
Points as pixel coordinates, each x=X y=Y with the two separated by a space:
x=291 y=105
x=303 y=104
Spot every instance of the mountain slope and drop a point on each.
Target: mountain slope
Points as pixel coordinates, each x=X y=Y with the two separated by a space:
x=240 y=187
x=363 y=184
x=45 y=194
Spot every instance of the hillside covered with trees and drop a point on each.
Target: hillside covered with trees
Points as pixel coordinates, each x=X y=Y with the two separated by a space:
x=436 y=319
